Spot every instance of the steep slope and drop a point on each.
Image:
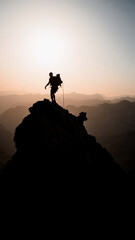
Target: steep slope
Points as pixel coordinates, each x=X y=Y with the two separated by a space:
x=12 y=117
x=122 y=147
x=54 y=151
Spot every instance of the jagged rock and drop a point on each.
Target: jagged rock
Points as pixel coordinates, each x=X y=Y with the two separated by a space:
x=82 y=116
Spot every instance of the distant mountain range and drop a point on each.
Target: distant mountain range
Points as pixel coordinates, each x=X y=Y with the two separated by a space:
x=75 y=99
x=11 y=101
x=8 y=101
x=6 y=93
x=108 y=119
x=12 y=117
x=130 y=99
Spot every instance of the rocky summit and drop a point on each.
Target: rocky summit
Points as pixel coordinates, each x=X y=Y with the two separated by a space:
x=55 y=152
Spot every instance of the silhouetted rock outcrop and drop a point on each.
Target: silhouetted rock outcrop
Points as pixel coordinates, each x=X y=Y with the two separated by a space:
x=56 y=154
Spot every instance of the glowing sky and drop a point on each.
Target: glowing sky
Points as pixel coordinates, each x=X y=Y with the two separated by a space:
x=91 y=43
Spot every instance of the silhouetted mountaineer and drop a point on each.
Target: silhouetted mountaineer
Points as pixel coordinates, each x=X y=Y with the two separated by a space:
x=54 y=82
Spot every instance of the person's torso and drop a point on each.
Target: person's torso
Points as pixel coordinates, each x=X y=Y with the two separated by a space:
x=52 y=81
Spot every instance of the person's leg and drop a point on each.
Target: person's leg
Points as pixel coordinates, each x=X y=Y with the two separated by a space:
x=54 y=91
x=51 y=95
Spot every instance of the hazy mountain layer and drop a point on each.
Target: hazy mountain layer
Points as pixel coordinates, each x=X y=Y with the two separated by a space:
x=10 y=101
x=13 y=100
x=122 y=147
x=12 y=117
x=108 y=119
x=7 y=147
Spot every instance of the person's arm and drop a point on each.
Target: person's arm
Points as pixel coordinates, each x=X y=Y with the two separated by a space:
x=47 y=84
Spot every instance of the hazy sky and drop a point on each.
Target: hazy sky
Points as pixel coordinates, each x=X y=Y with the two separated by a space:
x=91 y=43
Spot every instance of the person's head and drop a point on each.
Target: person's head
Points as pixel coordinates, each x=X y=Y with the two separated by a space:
x=50 y=74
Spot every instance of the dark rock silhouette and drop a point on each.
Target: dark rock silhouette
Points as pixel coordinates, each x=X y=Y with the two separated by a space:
x=60 y=171
x=61 y=175
x=55 y=153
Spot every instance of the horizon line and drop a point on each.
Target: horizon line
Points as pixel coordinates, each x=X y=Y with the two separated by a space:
x=24 y=92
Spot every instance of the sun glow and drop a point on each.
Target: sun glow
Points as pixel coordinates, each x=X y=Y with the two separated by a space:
x=48 y=48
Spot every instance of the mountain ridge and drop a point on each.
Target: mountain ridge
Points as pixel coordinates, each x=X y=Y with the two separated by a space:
x=13 y=100
x=107 y=119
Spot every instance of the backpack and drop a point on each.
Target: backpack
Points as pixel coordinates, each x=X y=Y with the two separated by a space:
x=58 y=80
